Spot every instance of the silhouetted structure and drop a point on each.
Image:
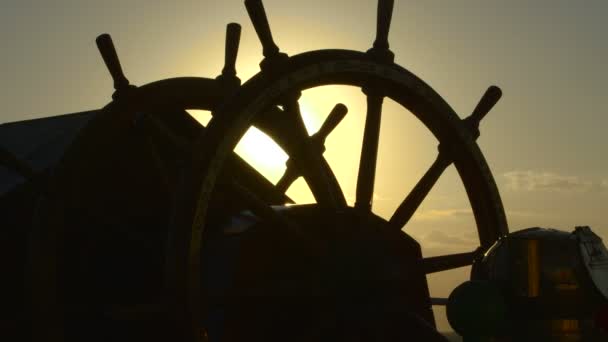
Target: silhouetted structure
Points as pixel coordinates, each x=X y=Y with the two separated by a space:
x=536 y=285
x=140 y=224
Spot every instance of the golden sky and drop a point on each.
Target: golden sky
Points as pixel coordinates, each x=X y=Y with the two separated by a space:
x=545 y=141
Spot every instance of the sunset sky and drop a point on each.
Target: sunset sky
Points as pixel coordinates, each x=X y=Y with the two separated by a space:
x=545 y=141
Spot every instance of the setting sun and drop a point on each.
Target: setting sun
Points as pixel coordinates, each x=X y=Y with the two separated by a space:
x=531 y=164
x=261 y=152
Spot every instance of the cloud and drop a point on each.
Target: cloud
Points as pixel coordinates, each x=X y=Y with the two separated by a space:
x=440 y=238
x=438 y=214
x=375 y=197
x=443 y=237
x=524 y=214
x=548 y=181
x=378 y=197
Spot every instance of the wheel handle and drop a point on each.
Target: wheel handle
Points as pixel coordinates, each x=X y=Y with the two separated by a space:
x=256 y=11
x=110 y=58
x=233 y=36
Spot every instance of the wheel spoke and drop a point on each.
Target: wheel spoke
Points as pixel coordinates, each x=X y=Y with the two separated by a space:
x=294 y=138
x=410 y=204
x=369 y=153
x=291 y=175
x=317 y=142
x=236 y=167
x=448 y=262
x=315 y=169
x=413 y=200
x=256 y=182
x=286 y=127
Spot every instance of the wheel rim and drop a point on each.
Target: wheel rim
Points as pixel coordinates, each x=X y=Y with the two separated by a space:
x=302 y=72
x=229 y=126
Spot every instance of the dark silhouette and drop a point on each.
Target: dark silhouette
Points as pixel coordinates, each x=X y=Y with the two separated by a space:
x=134 y=222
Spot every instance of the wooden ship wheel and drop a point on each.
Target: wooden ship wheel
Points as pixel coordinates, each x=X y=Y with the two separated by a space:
x=152 y=228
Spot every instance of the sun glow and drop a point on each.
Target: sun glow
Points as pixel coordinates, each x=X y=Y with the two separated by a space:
x=261 y=152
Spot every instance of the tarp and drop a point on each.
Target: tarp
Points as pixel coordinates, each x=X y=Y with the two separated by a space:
x=38 y=142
